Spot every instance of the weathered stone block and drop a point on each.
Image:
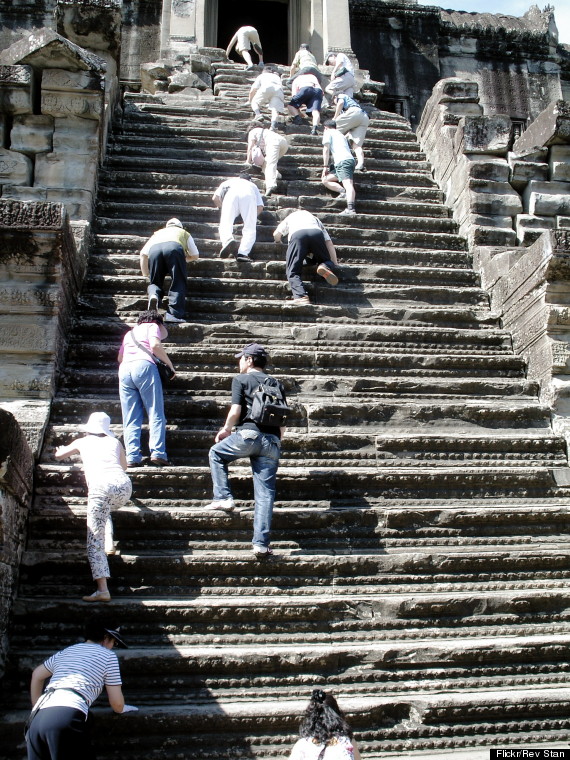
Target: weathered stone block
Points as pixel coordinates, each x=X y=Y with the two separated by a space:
x=46 y=49
x=16 y=89
x=60 y=80
x=184 y=79
x=78 y=203
x=550 y=127
x=537 y=155
x=489 y=236
x=487 y=167
x=61 y=171
x=484 y=134
x=76 y=135
x=523 y=172
x=32 y=134
x=461 y=108
x=24 y=193
x=559 y=163
x=60 y=103
x=15 y=168
x=547 y=198
x=455 y=88
x=200 y=63
x=494 y=198
x=529 y=227
x=562 y=222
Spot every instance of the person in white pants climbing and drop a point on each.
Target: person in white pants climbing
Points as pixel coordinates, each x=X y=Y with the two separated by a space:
x=238 y=197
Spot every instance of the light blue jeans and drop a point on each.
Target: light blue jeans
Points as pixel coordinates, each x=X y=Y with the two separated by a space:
x=263 y=450
x=140 y=389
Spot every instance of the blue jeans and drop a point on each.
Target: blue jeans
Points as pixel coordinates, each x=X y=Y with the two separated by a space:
x=140 y=389
x=263 y=450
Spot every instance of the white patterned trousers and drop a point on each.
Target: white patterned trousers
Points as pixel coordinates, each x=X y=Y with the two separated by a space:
x=101 y=498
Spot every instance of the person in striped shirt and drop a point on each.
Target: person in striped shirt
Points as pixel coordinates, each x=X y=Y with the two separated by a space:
x=58 y=727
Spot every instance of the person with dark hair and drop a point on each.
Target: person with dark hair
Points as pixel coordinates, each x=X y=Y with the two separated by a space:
x=264 y=148
x=58 y=727
x=308 y=240
x=260 y=443
x=166 y=253
x=235 y=197
x=342 y=75
x=335 y=146
x=104 y=465
x=244 y=39
x=306 y=90
x=267 y=90
x=140 y=388
x=324 y=731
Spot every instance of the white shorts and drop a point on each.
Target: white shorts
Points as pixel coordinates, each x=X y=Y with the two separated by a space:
x=246 y=37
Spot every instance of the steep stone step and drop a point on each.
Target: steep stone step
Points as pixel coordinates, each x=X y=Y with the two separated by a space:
x=162 y=179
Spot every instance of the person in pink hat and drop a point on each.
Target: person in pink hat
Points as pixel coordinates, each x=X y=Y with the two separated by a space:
x=108 y=486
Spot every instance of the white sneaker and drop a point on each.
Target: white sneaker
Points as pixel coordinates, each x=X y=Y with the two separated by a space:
x=153 y=303
x=168 y=317
x=226 y=504
x=261 y=551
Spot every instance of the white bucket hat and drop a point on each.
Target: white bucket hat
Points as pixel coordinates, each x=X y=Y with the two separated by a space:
x=174 y=223
x=98 y=422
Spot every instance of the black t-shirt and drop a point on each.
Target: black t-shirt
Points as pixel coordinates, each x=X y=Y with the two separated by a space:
x=243 y=388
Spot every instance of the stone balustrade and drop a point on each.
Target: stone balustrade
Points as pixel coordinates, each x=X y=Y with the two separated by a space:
x=16 y=477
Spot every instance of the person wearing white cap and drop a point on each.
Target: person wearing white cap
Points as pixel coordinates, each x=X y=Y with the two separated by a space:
x=108 y=486
x=166 y=253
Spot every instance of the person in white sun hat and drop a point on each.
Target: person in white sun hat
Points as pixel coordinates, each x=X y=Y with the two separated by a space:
x=108 y=485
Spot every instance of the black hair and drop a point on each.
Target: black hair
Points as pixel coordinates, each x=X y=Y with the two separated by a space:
x=304 y=45
x=245 y=175
x=271 y=67
x=96 y=628
x=331 y=123
x=150 y=316
x=321 y=721
x=257 y=361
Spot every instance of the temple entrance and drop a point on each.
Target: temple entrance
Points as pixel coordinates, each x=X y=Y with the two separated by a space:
x=269 y=17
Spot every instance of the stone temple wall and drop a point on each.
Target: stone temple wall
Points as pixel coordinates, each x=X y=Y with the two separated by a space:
x=516 y=62
x=511 y=199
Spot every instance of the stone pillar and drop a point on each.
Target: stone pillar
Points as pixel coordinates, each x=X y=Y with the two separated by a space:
x=16 y=478
x=42 y=266
x=336 y=26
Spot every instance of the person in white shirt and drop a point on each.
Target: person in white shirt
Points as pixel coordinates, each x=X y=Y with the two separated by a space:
x=244 y=39
x=108 y=486
x=58 y=727
x=306 y=90
x=238 y=197
x=308 y=240
x=342 y=75
x=335 y=146
x=267 y=90
x=352 y=121
x=166 y=253
x=264 y=148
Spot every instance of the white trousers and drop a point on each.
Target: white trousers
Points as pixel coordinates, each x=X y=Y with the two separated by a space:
x=245 y=206
x=275 y=147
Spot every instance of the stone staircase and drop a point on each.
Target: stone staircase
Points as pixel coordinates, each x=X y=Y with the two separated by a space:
x=422 y=566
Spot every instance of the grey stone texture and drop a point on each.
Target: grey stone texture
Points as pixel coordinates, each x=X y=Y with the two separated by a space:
x=16 y=478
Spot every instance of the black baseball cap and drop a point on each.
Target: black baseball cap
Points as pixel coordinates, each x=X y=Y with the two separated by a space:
x=252 y=349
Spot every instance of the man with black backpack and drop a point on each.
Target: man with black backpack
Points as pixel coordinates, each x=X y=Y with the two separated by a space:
x=257 y=413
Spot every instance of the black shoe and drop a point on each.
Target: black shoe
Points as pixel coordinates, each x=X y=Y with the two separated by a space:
x=242 y=257
x=229 y=249
x=314 y=131
x=298 y=120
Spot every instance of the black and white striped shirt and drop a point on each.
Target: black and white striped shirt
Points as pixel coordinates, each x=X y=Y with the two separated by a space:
x=86 y=668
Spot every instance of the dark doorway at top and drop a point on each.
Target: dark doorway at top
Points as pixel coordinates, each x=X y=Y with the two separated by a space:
x=269 y=18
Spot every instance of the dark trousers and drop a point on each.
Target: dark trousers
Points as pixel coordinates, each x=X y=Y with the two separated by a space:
x=300 y=245
x=164 y=259
x=59 y=733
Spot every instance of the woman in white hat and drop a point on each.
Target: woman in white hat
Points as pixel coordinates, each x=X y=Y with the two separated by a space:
x=104 y=465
